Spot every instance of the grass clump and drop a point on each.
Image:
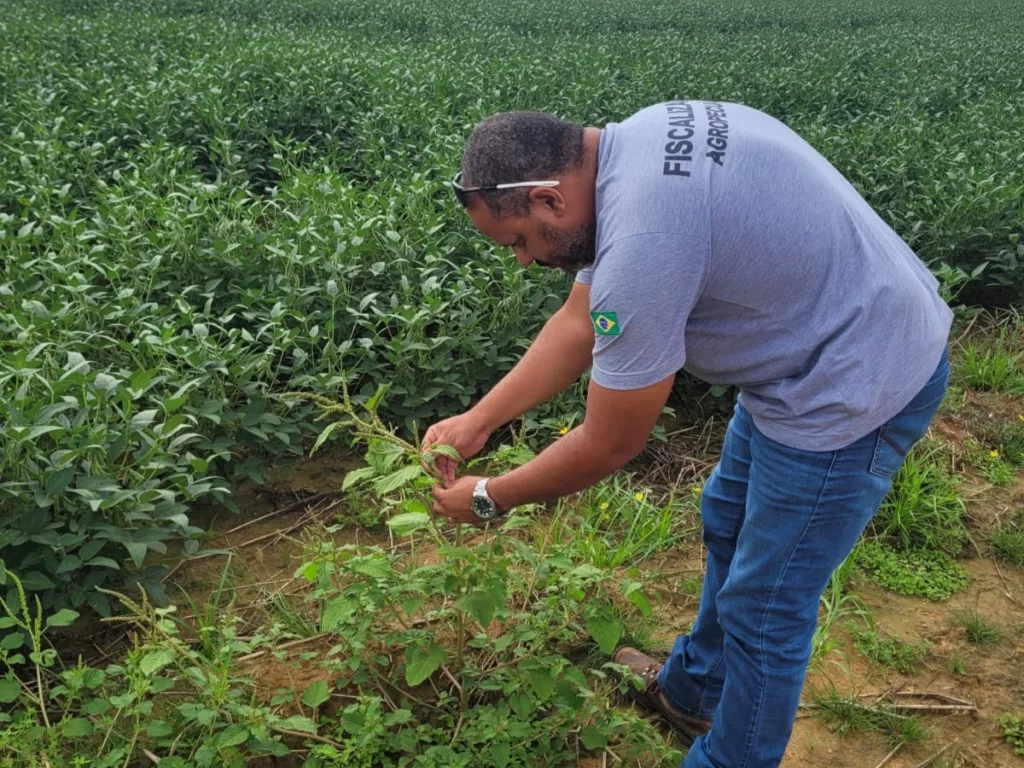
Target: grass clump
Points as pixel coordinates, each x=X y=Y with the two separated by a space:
x=996 y=369
x=955 y=664
x=1008 y=544
x=847 y=715
x=992 y=425
x=923 y=508
x=915 y=572
x=979 y=630
x=887 y=652
x=1013 y=731
x=836 y=602
x=691 y=585
x=615 y=524
x=954 y=401
x=991 y=464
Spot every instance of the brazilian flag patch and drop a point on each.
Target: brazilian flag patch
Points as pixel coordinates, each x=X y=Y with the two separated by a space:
x=606 y=323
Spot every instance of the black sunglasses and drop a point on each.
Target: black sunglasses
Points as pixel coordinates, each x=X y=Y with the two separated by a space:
x=461 y=191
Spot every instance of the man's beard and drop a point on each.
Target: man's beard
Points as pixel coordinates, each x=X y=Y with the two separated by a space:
x=570 y=251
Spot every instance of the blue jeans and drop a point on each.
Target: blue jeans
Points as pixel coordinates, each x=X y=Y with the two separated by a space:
x=777 y=522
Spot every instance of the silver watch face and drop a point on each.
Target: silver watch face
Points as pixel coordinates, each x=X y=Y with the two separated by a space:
x=484 y=508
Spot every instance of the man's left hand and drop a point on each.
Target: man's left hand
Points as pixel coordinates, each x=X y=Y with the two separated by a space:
x=456 y=501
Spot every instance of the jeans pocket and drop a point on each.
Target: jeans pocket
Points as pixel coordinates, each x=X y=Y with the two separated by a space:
x=889 y=454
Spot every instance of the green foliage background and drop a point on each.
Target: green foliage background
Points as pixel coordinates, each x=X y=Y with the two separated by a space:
x=205 y=204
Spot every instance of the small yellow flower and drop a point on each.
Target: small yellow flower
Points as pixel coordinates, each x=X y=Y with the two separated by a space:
x=563 y=431
x=639 y=496
x=604 y=505
x=1021 y=417
x=994 y=454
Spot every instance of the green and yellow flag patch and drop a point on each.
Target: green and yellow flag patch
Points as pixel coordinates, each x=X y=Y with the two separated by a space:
x=606 y=323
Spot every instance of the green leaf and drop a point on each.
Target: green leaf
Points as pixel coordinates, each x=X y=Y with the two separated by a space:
x=633 y=591
x=103 y=562
x=421 y=664
x=69 y=564
x=59 y=480
x=397 y=479
x=10 y=689
x=374 y=401
x=12 y=641
x=355 y=476
x=256 y=747
x=299 y=723
x=37 y=431
x=144 y=418
x=325 y=434
x=575 y=675
x=335 y=612
x=446 y=450
x=371 y=565
x=233 y=735
x=398 y=717
x=158 y=729
x=137 y=550
x=77 y=727
x=593 y=738
x=500 y=754
x=523 y=705
x=96 y=707
x=604 y=629
x=409 y=522
x=76 y=363
x=316 y=694
x=34 y=581
x=105 y=382
x=156 y=660
x=65 y=617
x=586 y=571
x=6 y=622
x=413 y=604
x=542 y=681
x=481 y=605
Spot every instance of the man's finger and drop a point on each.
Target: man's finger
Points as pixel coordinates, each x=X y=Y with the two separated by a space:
x=448 y=470
x=428 y=440
x=438 y=494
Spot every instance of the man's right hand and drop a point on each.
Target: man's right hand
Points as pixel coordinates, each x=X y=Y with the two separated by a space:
x=464 y=433
x=557 y=357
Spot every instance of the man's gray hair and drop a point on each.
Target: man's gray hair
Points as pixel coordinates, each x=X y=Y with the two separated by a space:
x=519 y=146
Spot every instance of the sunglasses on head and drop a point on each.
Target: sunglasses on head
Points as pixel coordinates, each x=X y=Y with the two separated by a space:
x=461 y=191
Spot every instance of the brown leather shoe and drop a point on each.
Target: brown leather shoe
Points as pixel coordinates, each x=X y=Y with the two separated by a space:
x=686 y=728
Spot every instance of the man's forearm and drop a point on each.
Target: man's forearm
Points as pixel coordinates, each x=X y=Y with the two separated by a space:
x=571 y=464
x=557 y=358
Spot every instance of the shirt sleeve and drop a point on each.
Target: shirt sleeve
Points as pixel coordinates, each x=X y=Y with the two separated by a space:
x=585 y=276
x=643 y=291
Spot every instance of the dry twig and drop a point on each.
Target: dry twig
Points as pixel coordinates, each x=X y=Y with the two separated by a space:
x=931 y=759
x=889 y=757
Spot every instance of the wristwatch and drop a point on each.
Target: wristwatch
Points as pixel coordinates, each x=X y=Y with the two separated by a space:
x=483 y=505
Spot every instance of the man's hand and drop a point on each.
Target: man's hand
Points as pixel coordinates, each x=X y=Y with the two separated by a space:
x=456 y=501
x=464 y=433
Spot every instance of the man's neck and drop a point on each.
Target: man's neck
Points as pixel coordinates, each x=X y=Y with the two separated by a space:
x=591 y=147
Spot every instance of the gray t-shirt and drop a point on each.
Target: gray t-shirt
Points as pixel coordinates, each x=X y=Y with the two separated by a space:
x=727 y=246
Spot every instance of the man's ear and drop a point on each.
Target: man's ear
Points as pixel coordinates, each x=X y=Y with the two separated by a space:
x=548 y=200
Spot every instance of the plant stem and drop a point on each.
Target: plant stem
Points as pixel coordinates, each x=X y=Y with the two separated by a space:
x=463 y=690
